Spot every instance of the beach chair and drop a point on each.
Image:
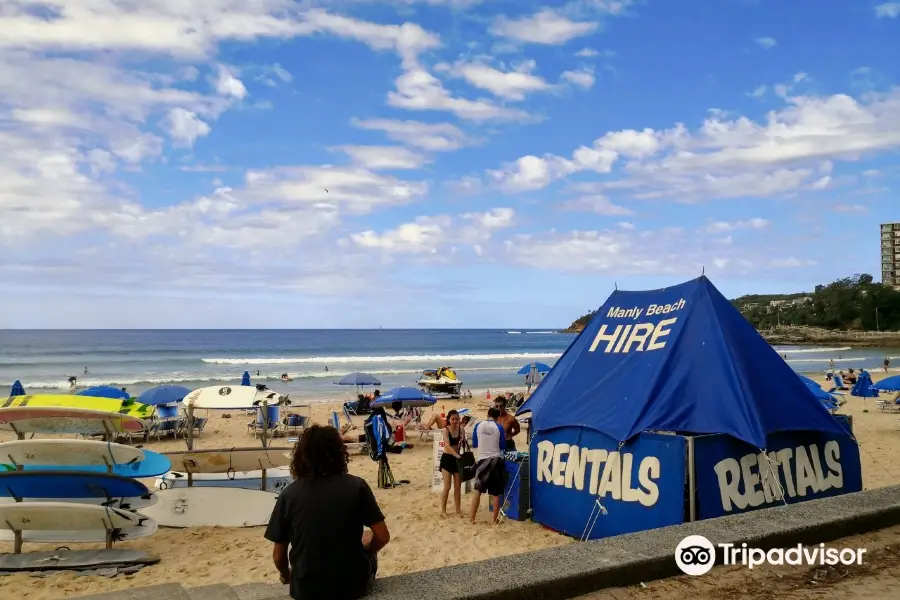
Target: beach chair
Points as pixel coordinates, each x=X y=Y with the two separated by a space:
x=890 y=406
x=360 y=447
x=258 y=426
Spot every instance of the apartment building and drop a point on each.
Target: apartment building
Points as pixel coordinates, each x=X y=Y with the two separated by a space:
x=890 y=254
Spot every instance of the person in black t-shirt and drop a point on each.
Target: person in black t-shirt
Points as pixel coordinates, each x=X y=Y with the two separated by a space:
x=323 y=516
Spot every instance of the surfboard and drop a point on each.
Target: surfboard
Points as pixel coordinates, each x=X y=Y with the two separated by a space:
x=153 y=465
x=61 y=419
x=50 y=485
x=129 y=503
x=68 y=400
x=229 y=460
x=276 y=480
x=68 y=453
x=137 y=410
x=212 y=507
x=230 y=397
x=61 y=522
x=64 y=559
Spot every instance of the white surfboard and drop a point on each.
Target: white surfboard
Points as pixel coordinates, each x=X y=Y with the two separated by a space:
x=62 y=453
x=212 y=507
x=229 y=460
x=60 y=516
x=231 y=397
x=276 y=480
x=128 y=503
x=61 y=420
x=144 y=528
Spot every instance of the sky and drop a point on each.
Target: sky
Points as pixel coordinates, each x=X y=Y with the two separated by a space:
x=433 y=163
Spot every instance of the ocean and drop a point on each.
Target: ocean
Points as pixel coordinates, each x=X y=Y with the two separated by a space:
x=138 y=359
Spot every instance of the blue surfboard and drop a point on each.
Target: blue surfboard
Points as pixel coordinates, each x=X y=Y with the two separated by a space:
x=153 y=465
x=69 y=484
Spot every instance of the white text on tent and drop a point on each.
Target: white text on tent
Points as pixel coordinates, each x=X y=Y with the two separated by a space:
x=620 y=340
x=565 y=466
x=801 y=468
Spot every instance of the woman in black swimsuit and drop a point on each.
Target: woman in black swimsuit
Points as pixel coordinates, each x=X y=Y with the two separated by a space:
x=453 y=434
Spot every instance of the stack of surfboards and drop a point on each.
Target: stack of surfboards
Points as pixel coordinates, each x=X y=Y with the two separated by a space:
x=71 y=491
x=226 y=487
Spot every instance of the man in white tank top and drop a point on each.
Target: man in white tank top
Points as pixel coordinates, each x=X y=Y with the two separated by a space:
x=489 y=442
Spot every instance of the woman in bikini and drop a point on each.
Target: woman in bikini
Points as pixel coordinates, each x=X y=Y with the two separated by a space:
x=453 y=435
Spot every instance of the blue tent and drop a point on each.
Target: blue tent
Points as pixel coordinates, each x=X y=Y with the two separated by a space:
x=679 y=359
x=17 y=389
x=245 y=378
x=163 y=394
x=105 y=391
x=809 y=381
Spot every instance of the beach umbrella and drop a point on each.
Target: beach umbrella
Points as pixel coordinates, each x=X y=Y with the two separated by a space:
x=17 y=389
x=809 y=381
x=408 y=396
x=888 y=384
x=537 y=366
x=163 y=394
x=105 y=391
x=245 y=378
x=863 y=388
x=358 y=379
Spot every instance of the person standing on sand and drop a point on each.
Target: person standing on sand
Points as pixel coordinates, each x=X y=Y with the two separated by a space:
x=330 y=520
x=887 y=363
x=490 y=466
x=453 y=435
x=508 y=422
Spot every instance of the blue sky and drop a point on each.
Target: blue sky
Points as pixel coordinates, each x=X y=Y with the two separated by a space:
x=433 y=163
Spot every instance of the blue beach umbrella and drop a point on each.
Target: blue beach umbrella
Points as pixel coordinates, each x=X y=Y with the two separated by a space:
x=888 y=384
x=245 y=378
x=163 y=394
x=358 y=379
x=538 y=366
x=17 y=389
x=408 y=396
x=105 y=391
x=863 y=388
x=809 y=381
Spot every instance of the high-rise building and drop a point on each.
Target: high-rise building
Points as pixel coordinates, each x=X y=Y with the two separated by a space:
x=890 y=254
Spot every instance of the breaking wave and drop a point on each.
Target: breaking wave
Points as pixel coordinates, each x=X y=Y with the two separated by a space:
x=435 y=359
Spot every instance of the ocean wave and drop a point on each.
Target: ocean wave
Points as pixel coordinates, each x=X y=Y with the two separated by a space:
x=541 y=332
x=514 y=332
x=436 y=359
x=814 y=350
x=211 y=379
x=843 y=361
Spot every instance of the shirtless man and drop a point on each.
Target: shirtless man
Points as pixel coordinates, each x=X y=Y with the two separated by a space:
x=509 y=423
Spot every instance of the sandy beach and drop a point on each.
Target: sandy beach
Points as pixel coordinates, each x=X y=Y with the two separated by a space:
x=420 y=538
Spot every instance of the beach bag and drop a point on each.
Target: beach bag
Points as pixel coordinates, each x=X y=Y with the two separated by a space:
x=466 y=460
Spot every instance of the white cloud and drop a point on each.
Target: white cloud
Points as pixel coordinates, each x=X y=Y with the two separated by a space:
x=282 y=73
x=510 y=85
x=766 y=43
x=792 y=262
x=436 y=137
x=729 y=157
x=850 y=208
x=583 y=78
x=385 y=157
x=184 y=127
x=424 y=235
x=597 y=204
x=887 y=10
x=229 y=85
x=587 y=53
x=725 y=226
x=544 y=27
x=758 y=91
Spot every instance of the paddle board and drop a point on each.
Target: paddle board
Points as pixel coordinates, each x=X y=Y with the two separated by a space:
x=68 y=400
x=230 y=397
x=212 y=507
x=276 y=480
x=61 y=522
x=50 y=485
x=68 y=453
x=60 y=420
x=153 y=465
x=74 y=560
x=229 y=460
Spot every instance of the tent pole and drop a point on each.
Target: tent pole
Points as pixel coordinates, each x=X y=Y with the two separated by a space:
x=692 y=480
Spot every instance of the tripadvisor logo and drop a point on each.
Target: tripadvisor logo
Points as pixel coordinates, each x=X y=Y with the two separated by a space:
x=696 y=555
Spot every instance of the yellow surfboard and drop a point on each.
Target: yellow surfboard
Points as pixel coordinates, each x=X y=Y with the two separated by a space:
x=64 y=400
x=137 y=410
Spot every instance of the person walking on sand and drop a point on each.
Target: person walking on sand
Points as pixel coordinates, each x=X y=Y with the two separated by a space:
x=887 y=363
x=330 y=520
x=490 y=466
x=453 y=435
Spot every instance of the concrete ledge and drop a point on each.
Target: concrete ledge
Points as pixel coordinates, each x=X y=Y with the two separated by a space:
x=577 y=569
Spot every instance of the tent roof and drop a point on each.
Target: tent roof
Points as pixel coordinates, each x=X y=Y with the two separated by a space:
x=697 y=366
